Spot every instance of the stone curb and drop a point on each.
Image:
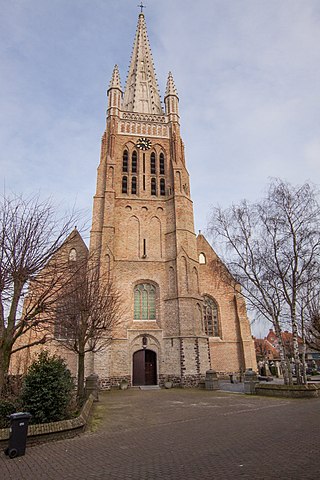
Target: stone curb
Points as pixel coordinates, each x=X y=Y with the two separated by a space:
x=56 y=430
x=293 y=391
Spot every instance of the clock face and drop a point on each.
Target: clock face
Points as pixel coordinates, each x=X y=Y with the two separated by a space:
x=143 y=143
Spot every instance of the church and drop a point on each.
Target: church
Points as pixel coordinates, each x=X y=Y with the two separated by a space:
x=179 y=317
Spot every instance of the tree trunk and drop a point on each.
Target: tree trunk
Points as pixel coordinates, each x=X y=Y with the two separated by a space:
x=287 y=377
x=80 y=389
x=296 y=355
x=5 y=354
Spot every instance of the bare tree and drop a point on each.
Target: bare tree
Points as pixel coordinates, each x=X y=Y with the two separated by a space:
x=30 y=234
x=312 y=321
x=88 y=311
x=273 y=249
x=247 y=258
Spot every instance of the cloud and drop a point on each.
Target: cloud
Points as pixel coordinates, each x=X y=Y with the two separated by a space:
x=247 y=72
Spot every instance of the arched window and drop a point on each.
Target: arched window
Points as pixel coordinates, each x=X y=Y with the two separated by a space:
x=124 y=184
x=153 y=186
x=134 y=165
x=202 y=259
x=73 y=255
x=162 y=186
x=161 y=162
x=134 y=185
x=210 y=317
x=153 y=163
x=125 y=168
x=145 y=302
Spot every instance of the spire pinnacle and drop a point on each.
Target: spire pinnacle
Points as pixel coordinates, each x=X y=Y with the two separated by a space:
x=171 y=88
x=115 y=79
x=141 y=6
x=142 y=93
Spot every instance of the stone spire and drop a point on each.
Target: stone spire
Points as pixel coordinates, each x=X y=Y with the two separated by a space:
x=171 y=88
x=142 y=93
x=171 y=100
x=115 y=79
x=114 y=92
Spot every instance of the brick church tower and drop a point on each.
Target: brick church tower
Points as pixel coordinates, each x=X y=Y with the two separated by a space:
x=178 y=320
x=181 y=313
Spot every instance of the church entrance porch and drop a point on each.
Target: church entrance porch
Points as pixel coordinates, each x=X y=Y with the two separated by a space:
x=144 y=368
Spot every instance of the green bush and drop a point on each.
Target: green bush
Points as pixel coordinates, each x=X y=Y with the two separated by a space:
x=7 y=406
x=47 y=389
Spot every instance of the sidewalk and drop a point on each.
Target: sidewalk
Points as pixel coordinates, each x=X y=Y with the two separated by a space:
x=183 y=434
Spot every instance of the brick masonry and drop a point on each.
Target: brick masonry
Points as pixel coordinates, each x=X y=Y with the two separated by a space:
x=148 y=237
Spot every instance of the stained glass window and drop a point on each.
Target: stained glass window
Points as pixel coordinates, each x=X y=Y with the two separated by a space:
x=145 y=302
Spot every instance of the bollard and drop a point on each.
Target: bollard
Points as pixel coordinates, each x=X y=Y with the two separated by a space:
x=211 y=381
x=92 y=386
x=250 y=382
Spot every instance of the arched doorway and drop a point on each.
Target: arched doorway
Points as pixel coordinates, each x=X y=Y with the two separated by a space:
x=144 y=368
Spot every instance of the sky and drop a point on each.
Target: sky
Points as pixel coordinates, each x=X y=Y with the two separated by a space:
x=247 y=73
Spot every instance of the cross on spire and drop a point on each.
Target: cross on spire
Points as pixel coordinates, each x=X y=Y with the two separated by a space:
x=141 y=6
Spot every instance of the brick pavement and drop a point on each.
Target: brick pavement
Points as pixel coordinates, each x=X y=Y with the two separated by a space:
x=183 y=434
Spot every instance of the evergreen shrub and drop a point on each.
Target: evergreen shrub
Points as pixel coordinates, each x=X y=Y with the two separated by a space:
x=7 y=406
x=48 y=389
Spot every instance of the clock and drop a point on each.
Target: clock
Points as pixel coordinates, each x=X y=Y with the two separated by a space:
x=143 y=143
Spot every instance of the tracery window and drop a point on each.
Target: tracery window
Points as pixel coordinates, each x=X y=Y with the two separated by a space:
x=145 y=302
x=125 y=162
x=66 y=322
x=161 y=162
x=124 y=184
x=210 y=317
x=134 y=164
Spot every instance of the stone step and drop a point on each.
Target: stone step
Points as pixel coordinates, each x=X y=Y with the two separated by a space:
x=149 y=387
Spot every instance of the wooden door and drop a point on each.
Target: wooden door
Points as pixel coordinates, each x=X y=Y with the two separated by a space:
x=144 y=368
x=139 y=368
x=150 y=368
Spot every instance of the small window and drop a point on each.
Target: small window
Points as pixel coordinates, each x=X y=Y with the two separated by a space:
x=210 y=316
x=153 y=163
x=73 y=255
x=153 y=186
x=161 y=164
x=202 y=259
x=125 y=166
x=124 y=184
x=134 y=165
x=134 y=185
x=162 y=186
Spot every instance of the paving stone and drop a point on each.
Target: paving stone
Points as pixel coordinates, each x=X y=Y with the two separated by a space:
x=183 y=434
